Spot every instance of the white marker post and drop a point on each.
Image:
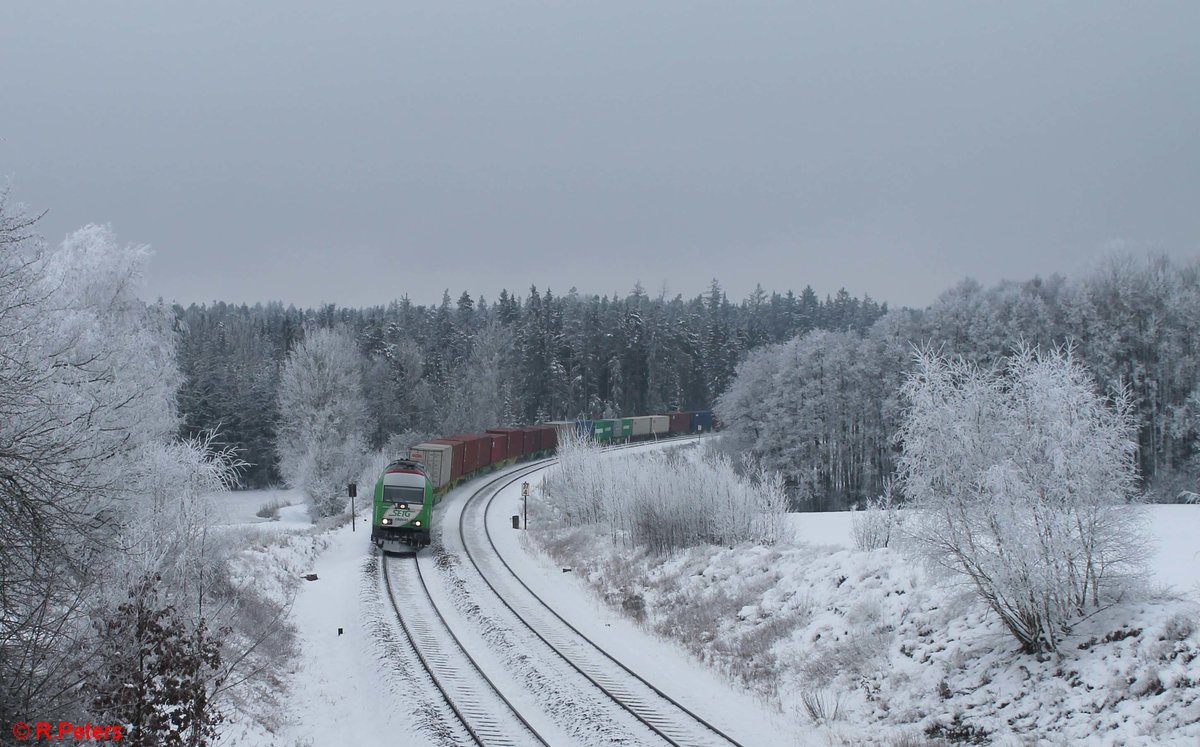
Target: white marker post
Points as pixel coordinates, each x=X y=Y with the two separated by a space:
x=525 y=503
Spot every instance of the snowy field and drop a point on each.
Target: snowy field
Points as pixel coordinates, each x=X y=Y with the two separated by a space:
x=809 y=642
x=865 y=648
x=1175 y=561
x=241 y=509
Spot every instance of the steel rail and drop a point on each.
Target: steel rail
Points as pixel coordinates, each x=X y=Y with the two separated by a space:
x=504 y=481
x=458 y=709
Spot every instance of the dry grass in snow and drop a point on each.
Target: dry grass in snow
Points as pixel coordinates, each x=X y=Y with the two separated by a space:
x=875 y=651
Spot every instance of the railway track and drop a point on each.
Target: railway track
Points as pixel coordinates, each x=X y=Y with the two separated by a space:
x=485 y=713
x=472 y=697
x=666 y=717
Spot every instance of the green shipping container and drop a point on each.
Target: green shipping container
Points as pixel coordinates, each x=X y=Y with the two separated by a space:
x=626 y=428
x=602 y=430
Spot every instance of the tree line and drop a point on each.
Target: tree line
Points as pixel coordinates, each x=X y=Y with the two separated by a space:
x=460 y=366
x=824 y=407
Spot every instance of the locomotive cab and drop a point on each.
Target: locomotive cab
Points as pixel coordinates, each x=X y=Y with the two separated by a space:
x=403 y=506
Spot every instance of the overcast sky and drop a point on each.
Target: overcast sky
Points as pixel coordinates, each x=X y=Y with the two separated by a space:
x=356 y=151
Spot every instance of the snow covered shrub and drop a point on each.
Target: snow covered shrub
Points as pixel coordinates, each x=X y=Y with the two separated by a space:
x=270 y=509
x=876 y=526
x=1021 y=478
x=322 y=419
x=665 y=501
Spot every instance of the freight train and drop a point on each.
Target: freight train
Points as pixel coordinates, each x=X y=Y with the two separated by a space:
x=409 y=488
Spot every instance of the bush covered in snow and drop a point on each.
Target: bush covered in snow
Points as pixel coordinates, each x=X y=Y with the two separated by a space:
x=879 y=524
x=1020 y=478
x=662 y=501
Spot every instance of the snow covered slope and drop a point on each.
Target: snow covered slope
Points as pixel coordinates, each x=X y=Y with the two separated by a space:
x=869 y=649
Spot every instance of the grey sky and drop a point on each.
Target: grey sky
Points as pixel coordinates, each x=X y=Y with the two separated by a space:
x=356 y=151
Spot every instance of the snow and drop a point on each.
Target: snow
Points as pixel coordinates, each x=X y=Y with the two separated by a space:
x=341 y=694
x=746 y=636
x=902 y=655
x=666 y=665
x=1176 y=558
x=240 y=508
x=342 y=687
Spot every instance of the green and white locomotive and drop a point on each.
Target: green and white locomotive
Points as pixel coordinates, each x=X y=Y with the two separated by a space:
x=403 y=507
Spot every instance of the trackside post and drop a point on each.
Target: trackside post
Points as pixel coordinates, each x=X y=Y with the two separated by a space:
x=525 y=502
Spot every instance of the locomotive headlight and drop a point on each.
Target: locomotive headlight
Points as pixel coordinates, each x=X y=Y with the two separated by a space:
x=417 y=523
x=386 y=521
x=403 y=505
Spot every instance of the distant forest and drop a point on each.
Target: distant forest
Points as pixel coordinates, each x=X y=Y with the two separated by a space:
x=554 y=356
x=824 y=407
x=808 y=385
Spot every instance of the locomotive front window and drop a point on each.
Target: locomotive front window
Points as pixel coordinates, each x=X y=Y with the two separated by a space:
x=403 y=494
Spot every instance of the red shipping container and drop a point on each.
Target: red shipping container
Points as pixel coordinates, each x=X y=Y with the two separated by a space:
x=483 y=446
x=549 y=437
x=516 y=441
x=533 y=439
x=456 y=464
x=499 y=441
x=499 y=446
x=529 y=441
x=681 y=422
x=470 y=453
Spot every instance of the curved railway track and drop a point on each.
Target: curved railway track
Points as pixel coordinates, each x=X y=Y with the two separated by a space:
x=662 y=714
x=471 y=695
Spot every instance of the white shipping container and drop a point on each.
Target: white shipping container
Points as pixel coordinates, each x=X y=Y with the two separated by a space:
x=436 y=458
x=661 y=424
x=641 y=425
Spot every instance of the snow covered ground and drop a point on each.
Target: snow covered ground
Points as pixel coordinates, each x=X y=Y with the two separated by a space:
x=1175 y=560
x=868 y=649
x=664 y=663
x=810 y=642
x=241 y=508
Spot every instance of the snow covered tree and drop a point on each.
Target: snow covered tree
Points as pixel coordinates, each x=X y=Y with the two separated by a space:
x=479 y=390
x=322 y=419
x=96 y=492
x=87 y=380
x=154 y=675
x=1022 y=477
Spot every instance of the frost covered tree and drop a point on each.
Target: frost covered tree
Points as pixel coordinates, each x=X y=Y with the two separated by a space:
x=1022 y=477
x=820 y=409
x=155 y=674
x=322 y=419
x=87 y=380
x=480 y=389
x=94 y=488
